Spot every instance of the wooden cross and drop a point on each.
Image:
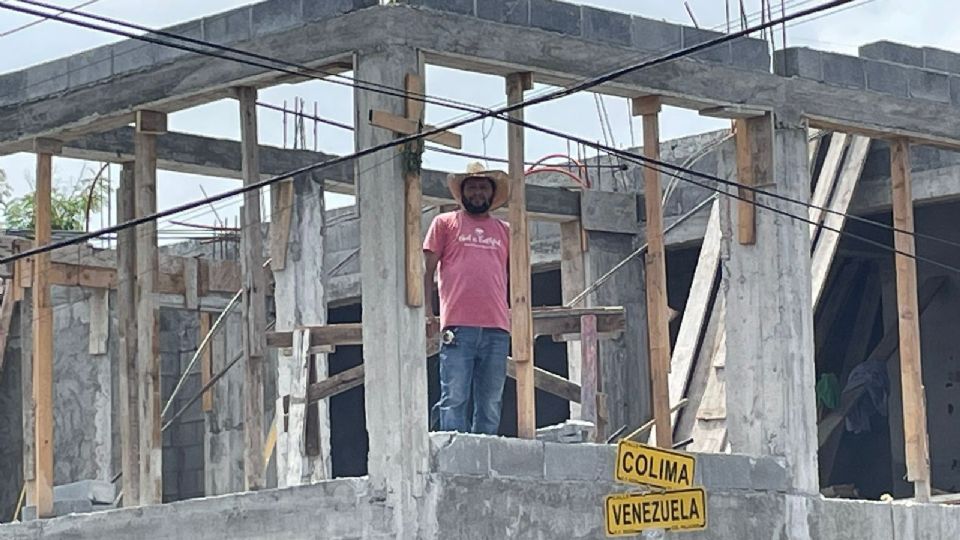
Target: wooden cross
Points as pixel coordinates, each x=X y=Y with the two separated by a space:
x=410 y=124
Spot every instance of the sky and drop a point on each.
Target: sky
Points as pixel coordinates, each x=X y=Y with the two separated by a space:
x=918 y=22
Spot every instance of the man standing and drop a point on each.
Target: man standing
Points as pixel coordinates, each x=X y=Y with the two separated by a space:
x=471 y=248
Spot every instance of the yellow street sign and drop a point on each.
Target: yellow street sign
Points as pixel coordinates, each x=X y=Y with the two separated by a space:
x=631 y=513
x=641 y=464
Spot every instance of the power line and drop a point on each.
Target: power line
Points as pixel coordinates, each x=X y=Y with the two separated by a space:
x=499 y=112
x=42 y=19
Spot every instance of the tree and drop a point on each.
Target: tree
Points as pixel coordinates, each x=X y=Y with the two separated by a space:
x=69 y=206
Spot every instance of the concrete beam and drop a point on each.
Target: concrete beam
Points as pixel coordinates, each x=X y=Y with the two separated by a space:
x=581 y=42
x=195 y=154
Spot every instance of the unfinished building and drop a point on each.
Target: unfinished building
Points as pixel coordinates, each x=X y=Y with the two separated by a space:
x=135 y=378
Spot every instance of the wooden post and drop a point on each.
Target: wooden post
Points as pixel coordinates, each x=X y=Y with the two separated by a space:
x=26 y=385
x=911 y=374
x=521 y=312
x=148 y=125
x=206 y=360
x=127 y=331
x=572 y=282
x=658 y=317
x=590 y=374
x=413 y=199
x=746 y=210
x=43 y=334
x=254 y=291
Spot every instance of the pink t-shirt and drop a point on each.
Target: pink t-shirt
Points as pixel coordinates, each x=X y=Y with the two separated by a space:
x=473 y=269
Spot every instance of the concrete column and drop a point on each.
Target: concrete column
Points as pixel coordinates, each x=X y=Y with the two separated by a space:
x=769 y=319
x=301 y=301
x=395 y=347
x=624 y=361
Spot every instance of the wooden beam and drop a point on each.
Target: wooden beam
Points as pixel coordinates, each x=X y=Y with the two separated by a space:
x=826 y=179
x=399 y=124
x=43 y=343
x=254 y=294
x=151 y=122
x=147 y=343
x=191 y=283
x=828 y=240
x=658 y=316
x=295 y=434
x=127 y=330
x=746 y=210
x=206 y=361
x=520 y=302
x=281 y=202
x=6 y=315
x=695 y=314
x=26 y=386
x=590 y=373
x=413 y=200
x=914 y=401
x=572 y=282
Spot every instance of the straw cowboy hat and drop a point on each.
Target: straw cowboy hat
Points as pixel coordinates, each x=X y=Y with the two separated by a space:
x=476 y=170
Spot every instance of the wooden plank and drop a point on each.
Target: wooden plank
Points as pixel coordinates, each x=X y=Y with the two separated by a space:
x=413 y=202
x=295 y=448
x=572 y=281
x=590 y=371
x=336 y=384
x=26 y=395
x=99 y=303
x=43 y=343
x=399 y=124
x=206 y=361
x=658 y=317
x=148 y=353
x=914 y=406
x=521 y=316
x=695 y=312
x=826 y=179
x=828 y=240
x=254 y=295
x=281 y=202
x=6 y=315
x=127 y=331
x=703 y=366
x=815 y=137
x=746 y=210
x=191 y=283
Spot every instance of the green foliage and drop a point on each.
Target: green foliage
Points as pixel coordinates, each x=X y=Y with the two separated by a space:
x=68 y=204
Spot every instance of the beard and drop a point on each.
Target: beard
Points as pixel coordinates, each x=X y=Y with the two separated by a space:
x=476 y=208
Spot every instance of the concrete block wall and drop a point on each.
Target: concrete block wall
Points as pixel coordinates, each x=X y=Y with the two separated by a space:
x=611 y=27
x=129 y=56
x=884 y=67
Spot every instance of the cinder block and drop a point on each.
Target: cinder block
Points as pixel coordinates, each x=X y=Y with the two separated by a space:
x=941 y=60
x=751 y=54
x=314 y=10
x=12 y=87
x=657 y=36
x=60 y=508
x=889 y=51
x=46 y=79
x=555 y=16
x=695 y=36
x=723 y=471
x=929 y=85
x=192 y=457
x=191 y=29
x=505 y=11
x=886 y=77
x=463 y=7
x=90 y=66
x=768 y=474
x=95 y=491
x=460 y=454
x=606 y=26
x=191 y=483
x=275 y=16
x=516 y=457
x=586 y=462
x=798 y=62
x=229 y=27
x=842 y=70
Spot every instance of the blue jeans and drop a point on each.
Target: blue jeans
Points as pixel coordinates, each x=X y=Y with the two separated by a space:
x=475 y=361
